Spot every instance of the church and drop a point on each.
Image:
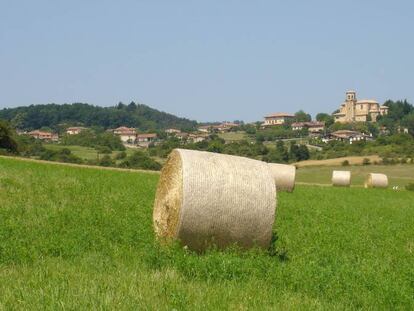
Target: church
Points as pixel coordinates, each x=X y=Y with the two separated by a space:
x=353 y=110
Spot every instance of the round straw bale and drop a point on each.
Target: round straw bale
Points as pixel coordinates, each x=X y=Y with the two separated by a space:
x=375 y=180
x=341 y=178
x=207 y=198
x=284 y=176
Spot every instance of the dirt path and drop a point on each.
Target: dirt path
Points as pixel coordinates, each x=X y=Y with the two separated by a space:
x=82 y=165
x=337 y=161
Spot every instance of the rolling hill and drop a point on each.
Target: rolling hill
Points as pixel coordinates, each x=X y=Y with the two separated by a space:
x=54 y=116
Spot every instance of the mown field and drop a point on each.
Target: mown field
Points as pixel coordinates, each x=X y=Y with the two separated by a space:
x=85 y=153
x=81 y=238
x=398 y=175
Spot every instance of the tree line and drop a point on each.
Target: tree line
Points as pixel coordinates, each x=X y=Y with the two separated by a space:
x=58 y=117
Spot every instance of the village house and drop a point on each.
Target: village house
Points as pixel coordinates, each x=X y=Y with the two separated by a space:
x=227 y=126
x=204 y=128
x=42 y=135
x=126 y=134
x=277 y=119
x=353 y=110
x=218 y=128
x=347 y=136
x=144 y=140
x=181 y=136
x=172 y=131
x=75 y=130
x=196 y=138
x=314 y=127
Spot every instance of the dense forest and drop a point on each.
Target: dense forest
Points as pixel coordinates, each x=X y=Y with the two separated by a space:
x=57 y=117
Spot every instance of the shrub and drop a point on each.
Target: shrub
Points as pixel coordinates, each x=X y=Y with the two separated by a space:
x=410 y=187
x=103 y=149
x=140 y=160
x=366 y=161
x=345 y=163
x=106 y=161
x=121 y=155
x=62 y=155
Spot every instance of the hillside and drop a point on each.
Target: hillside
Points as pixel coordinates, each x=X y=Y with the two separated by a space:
x=82 y=238
x=53 y=116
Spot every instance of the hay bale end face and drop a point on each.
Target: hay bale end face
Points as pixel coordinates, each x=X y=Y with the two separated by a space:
x=375 y=180
x=206 y=198
x=284 y=176
x=341 y=178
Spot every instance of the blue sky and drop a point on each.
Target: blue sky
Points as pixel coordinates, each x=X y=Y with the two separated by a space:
x=206 y=60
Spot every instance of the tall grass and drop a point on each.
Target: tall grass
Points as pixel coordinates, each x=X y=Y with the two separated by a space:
x=79 y=238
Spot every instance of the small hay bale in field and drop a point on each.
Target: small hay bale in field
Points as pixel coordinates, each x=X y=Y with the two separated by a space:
x=284 y=176
x=375 y=180
x=341 y=178
x=207 y=198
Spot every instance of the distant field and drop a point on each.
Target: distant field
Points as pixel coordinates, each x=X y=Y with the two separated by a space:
x=84 y=152
x=234 y=136
x=81 y=238
x=354 y=160
x=398 y=175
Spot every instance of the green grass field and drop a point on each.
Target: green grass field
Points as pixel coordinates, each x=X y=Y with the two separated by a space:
x=81 y=239
x=234 y=136
x=398 y=175
x=85 y=153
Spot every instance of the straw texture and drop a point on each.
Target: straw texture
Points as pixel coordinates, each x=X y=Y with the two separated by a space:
x=341 y=178
x=284 y=176
x=375 y=180
x=220 y=200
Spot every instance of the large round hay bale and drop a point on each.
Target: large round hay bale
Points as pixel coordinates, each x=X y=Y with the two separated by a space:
x=341 y=178
x=284 y=176
x=375 y=180
x=207 y=198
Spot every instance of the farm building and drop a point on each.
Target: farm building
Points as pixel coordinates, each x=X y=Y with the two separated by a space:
x=42 y=135
x=277 y=119
x=196 y=138
x=347 y=136
x=172 y=131
x=144 y=140
x=126 y=134
x=313 y=126
x=74 y=130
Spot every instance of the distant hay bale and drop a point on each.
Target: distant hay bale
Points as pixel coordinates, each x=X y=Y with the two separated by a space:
x=375 y=180
x=207 y=198
x=341 y=178
x=284 y=176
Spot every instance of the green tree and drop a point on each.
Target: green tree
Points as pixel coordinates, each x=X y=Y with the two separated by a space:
x=302 y=116
x=7 y=138
x=324 y=117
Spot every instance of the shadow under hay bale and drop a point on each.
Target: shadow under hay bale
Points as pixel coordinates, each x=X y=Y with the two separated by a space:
x=375 y=180
x=284 y=176
x=208 y=199
x=341 y=178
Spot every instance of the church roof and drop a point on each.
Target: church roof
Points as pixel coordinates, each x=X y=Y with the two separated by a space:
x=367 y=101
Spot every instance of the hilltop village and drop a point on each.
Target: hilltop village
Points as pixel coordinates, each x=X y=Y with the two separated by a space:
x=350 y=111
x=85 y=134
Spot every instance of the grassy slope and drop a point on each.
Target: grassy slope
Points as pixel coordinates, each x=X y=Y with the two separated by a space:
x=73 y=238
x=85 y=153
x=398 y=175
x=234 y=136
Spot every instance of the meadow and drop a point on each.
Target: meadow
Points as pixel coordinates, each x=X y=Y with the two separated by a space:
x=81 y=238
x=398 y=175
x=85 y=153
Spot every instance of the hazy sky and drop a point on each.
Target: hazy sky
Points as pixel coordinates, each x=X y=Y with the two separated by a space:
x=206 y=60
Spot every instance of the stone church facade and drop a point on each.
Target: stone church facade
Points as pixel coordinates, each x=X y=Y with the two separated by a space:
x=353 y=110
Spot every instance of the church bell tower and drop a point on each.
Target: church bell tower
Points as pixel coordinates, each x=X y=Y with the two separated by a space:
x=350 y=103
